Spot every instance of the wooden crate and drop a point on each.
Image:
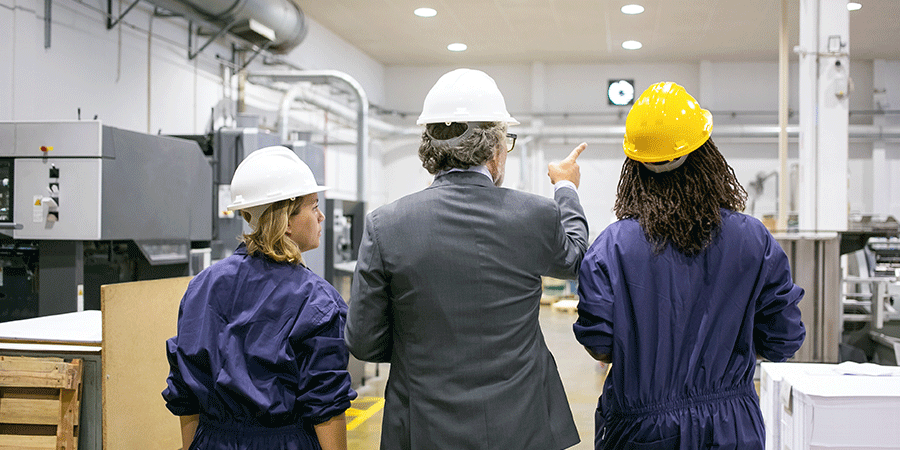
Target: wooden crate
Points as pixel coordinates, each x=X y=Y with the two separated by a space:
x=39 y=403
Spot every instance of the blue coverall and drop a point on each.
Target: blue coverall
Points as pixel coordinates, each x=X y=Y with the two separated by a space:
x=684 y=332
x=259 y=355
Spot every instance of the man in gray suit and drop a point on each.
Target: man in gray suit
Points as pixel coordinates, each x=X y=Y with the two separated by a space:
x=448 y=284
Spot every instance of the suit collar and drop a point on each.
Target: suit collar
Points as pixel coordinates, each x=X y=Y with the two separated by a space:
x=473 y=178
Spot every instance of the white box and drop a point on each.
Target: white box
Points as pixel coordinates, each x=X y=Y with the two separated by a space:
x=845 y=406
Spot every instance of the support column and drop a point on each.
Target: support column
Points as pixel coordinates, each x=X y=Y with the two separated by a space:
x=824 y=114
x=533 y=153
x=885 y=97
x=783 y=70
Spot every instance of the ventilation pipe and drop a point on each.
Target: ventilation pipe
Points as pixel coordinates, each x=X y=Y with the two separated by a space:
x=279 y=25
x=302 y=93
x=326 y=77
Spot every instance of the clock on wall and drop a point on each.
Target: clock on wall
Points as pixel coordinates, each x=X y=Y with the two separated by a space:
x=620 y=92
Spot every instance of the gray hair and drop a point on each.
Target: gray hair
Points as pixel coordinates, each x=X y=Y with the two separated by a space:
x=459 y=145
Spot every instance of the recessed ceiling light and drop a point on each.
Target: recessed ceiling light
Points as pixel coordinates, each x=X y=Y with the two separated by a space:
x=631 y=45
x=457 y=47
x=853 y=6
x=425 y=12
x=632 y=9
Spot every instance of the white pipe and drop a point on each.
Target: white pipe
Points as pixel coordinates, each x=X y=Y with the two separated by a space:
x=300 y=92
x=362 y=112
x=870 y=132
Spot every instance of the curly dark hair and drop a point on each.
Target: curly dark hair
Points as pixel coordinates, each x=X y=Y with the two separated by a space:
x=440 y=151
x=681 y=207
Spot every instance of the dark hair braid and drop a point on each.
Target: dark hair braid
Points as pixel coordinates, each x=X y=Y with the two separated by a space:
x=681 y=207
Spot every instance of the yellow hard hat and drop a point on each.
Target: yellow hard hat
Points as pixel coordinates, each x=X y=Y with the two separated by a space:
x=665 y=123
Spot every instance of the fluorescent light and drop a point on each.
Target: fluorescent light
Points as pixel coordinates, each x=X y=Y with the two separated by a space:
x=457 y=47
x=631 y=45
x=853 y=6
x=425 y=12
x=632 y=9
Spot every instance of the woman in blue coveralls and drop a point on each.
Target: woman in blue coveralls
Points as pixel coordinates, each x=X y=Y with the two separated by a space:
x=259 y=361
x=683 y=293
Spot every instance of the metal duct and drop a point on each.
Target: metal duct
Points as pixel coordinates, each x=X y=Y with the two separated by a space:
x=278 y=24
x=324 y=77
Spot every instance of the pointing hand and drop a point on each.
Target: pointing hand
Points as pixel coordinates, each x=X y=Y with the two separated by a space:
x=567 y=169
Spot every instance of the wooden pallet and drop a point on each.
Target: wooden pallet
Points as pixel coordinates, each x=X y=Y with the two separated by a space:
x=39 y=403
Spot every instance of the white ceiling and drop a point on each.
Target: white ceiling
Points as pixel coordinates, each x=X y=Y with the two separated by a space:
x=587 y=31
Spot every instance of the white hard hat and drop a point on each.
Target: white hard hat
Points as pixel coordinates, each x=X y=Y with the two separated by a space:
x=465 y=95
x=269 y=175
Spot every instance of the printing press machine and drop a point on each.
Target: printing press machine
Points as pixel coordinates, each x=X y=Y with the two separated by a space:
x=83 y=204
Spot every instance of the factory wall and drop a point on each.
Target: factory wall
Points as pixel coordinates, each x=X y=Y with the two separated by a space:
x=738 y=93
x=115 y=74
x=137 y=76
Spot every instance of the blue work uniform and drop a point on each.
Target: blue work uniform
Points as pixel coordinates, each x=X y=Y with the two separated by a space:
x=259 y=355
x=683 y=333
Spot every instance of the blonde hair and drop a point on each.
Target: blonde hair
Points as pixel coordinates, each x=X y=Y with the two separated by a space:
x=268 y=238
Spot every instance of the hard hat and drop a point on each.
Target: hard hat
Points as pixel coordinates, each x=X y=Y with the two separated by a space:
x=465 y=95
x=665 y=123
x=269 y=175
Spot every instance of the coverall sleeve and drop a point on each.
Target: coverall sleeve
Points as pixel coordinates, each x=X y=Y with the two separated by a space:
x=778 y=330
x=594 y=326
x=322 y=355
x=369 y=319
x=571 y=235
x=180 y=400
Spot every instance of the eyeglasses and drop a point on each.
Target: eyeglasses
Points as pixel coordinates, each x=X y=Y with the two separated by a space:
x=510 y=142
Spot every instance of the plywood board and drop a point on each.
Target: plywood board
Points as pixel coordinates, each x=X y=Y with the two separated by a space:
x=138 y=317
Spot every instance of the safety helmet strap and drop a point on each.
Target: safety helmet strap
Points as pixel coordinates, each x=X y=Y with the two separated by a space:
x=666 y=166
x=454 y=141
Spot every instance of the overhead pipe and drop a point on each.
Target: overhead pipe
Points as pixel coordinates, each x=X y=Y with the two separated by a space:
x=277 y=24
x=299 y=92
x=869 y=132
x=325 y=77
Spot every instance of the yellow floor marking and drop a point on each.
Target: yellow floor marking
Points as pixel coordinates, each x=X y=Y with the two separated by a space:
x=369 y=407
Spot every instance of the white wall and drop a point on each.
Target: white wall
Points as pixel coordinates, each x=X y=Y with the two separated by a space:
x=137 y=76
x=112 y=74
x=134 y=79
x=7 y=50
x=573 y=88
x=322 y=49
x=885 y=179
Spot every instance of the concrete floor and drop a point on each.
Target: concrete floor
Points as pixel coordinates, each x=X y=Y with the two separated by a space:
x=581 y=376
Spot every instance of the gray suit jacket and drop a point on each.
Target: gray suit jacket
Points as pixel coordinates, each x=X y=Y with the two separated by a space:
x=447 y=289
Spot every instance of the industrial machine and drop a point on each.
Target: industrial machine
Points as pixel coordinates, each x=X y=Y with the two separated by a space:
x=870 y=290
x=229 y=147
x=83 y=204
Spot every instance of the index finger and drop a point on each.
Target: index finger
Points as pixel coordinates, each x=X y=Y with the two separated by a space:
x=577 y=152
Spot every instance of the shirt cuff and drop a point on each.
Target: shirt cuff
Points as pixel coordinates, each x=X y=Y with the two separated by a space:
x=564 y=183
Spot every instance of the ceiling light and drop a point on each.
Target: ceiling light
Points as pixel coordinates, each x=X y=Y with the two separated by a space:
x=631 y=45
x=853 y=6
x=425 y=12
x=632 y=9
x=457 y=47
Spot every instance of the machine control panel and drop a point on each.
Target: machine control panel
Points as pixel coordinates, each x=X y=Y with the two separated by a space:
x=6 y=190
